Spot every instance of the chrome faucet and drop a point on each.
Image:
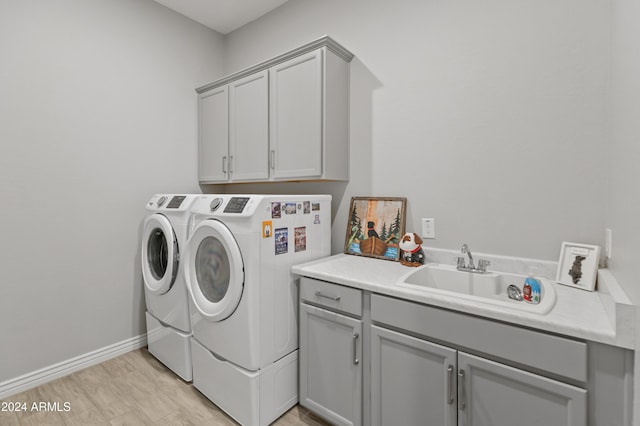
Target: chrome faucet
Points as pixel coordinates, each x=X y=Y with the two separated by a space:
x=482 y=263
x=465 y=249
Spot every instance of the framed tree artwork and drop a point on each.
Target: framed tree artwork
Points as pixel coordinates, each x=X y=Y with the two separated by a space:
x=375 y=227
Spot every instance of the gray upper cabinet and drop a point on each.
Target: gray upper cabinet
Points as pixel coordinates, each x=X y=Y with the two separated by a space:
x=248 y=128
x=233 y=131
x=213 y=150
x=284 y=119
x=296 y=117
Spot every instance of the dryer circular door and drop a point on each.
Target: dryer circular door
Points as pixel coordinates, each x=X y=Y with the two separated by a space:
x=214 y=270
x=159 y=254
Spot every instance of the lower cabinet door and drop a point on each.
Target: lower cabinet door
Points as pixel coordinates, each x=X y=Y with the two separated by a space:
x=492 y=394
x=330 y=365
x=413 y=382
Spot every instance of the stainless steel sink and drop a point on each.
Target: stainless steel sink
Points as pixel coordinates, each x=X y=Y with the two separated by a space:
x=490 y=287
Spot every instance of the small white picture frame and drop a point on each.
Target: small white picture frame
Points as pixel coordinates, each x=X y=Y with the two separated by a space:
x=578 y=265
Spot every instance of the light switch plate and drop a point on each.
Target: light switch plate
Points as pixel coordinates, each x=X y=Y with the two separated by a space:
x=428 y=227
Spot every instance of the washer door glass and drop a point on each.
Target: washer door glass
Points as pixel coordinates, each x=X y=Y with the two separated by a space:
x=159 y=254
x=214 y=270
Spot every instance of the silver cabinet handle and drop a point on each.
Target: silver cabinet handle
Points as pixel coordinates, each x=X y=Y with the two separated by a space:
x=462 y=400
x=230 y=164
x=273 y=159
x=224 y=164
x=334 y=298
x=356 y=361
x=450 y=374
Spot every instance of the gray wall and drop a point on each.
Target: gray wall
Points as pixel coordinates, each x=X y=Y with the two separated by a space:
x=514 y=124
x=97 y=113
x=623 y=204
x=489 y=116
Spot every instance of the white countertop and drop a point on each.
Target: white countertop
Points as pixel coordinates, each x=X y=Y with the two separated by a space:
x=605 y=316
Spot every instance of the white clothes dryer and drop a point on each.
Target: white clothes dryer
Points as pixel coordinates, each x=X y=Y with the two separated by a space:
x=164 y=235
x=238 y=272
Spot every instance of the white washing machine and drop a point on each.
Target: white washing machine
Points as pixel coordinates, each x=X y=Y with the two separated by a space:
x=238 y=272
x=164 y=235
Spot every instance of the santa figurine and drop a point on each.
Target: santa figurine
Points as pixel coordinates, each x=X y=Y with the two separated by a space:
x=412 y=254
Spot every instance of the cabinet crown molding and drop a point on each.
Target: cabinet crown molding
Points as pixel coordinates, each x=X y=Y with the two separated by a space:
x=324 y=41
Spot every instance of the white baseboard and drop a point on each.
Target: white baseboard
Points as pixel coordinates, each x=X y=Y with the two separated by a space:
x=52 y=372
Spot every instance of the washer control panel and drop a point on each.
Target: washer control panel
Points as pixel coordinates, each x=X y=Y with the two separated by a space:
x=236 y=205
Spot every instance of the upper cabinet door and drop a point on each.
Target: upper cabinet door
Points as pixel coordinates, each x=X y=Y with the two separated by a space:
x=296 y=117
x=213 y=136
x=249 y=128
x=493 y=394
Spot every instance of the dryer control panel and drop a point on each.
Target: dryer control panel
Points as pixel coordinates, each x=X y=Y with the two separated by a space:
x=161 y=202
x=176 y=202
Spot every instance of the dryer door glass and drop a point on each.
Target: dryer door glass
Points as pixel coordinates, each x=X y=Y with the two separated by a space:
x=158 y=253
x=212 y=269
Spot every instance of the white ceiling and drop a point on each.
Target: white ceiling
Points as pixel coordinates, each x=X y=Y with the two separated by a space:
x=223 y=16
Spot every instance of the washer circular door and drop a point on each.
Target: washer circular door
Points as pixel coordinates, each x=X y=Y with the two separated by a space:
x=159 y=254
x=214 y=270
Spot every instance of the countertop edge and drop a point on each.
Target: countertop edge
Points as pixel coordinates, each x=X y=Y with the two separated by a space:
x=619 y=330
x=621 y=310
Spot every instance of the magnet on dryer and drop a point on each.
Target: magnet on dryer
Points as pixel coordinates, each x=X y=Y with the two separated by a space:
x=411 y=247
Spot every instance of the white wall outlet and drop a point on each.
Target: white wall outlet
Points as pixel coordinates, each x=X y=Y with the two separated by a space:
x=428 y=227
x=607 y=243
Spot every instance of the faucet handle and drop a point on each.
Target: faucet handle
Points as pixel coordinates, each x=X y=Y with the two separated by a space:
x=460 y=262
x=482 y=264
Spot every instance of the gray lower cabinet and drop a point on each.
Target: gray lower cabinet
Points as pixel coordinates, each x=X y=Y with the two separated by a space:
x=408 y=364
x=330 y=365
x=416 y=382
x=413 y=382
x=493 y=394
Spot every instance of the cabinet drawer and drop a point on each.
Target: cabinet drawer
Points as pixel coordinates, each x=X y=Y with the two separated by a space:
x=554 y=354
x=334 y=296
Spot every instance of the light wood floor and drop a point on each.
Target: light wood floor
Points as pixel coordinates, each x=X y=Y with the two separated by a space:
x=133 y=389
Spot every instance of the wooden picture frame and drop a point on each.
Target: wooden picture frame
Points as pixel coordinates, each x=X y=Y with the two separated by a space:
x=578 y=265
x=375 y=226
